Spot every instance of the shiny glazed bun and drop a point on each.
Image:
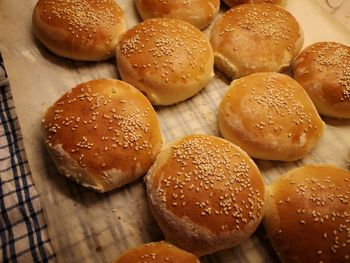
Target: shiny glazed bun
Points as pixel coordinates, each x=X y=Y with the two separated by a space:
x=79 y=29
x=255 y=38
x=205 y=193
x=199 y=13
x=167 y=59
x=270 y=116
x=102 y=134
x=323 y=69
x=157 y=252
x=308 y=215
x=233 y=3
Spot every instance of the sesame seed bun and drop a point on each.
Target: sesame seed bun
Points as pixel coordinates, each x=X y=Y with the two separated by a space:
x=233 y=3
x=199 y=13
x=270 y=116
x=167 y=59
x=308 y=215
x=255 y=38
x=157 y=252
x=205 y=193
x=323 y=69
x=102 y=134
x=79 y=30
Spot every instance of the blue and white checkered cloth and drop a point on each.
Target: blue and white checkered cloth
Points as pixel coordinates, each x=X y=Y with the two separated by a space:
x=23 y=231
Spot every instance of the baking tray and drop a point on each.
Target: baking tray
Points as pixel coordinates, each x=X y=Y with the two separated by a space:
x=85 y=226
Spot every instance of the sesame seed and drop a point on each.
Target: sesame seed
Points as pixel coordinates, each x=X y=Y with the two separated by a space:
x=254 y=20
x=217 y=167
x=116 y=129
x=177 y=46
x=333 y=58
x=83 y=16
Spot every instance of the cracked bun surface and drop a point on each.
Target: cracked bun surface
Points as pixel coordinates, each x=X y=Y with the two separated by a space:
x=157 y=252
x=167 y=59
x=199 y=13
x=323 y=69
x=254 y=38
x=102 y=134
x=205 y=193
x=270 y=116
x=308 y=215
x=79 y=29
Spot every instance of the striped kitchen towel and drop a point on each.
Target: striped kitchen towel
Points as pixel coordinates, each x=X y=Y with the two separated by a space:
x=23 y=231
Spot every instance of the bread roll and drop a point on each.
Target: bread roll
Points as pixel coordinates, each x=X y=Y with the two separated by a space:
x=157 y=252
x=323 y=69
x=199 y=13
x=205 y=193
x=255 y=38
x=81 y=29
x=270 y=116
x=233 y=3
x=102 y=134
x=168 y=60
x=308 y=215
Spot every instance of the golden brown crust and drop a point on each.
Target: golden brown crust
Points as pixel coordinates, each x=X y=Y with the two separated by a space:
x=196 y=12
x=205 y=193
x=80 y=30
x=270 y=116
x=255 y=38
x=233 y=3
x=323 y=69
x=169 y=60
x=157 y=252
x=308 y=215
x=102 y=134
